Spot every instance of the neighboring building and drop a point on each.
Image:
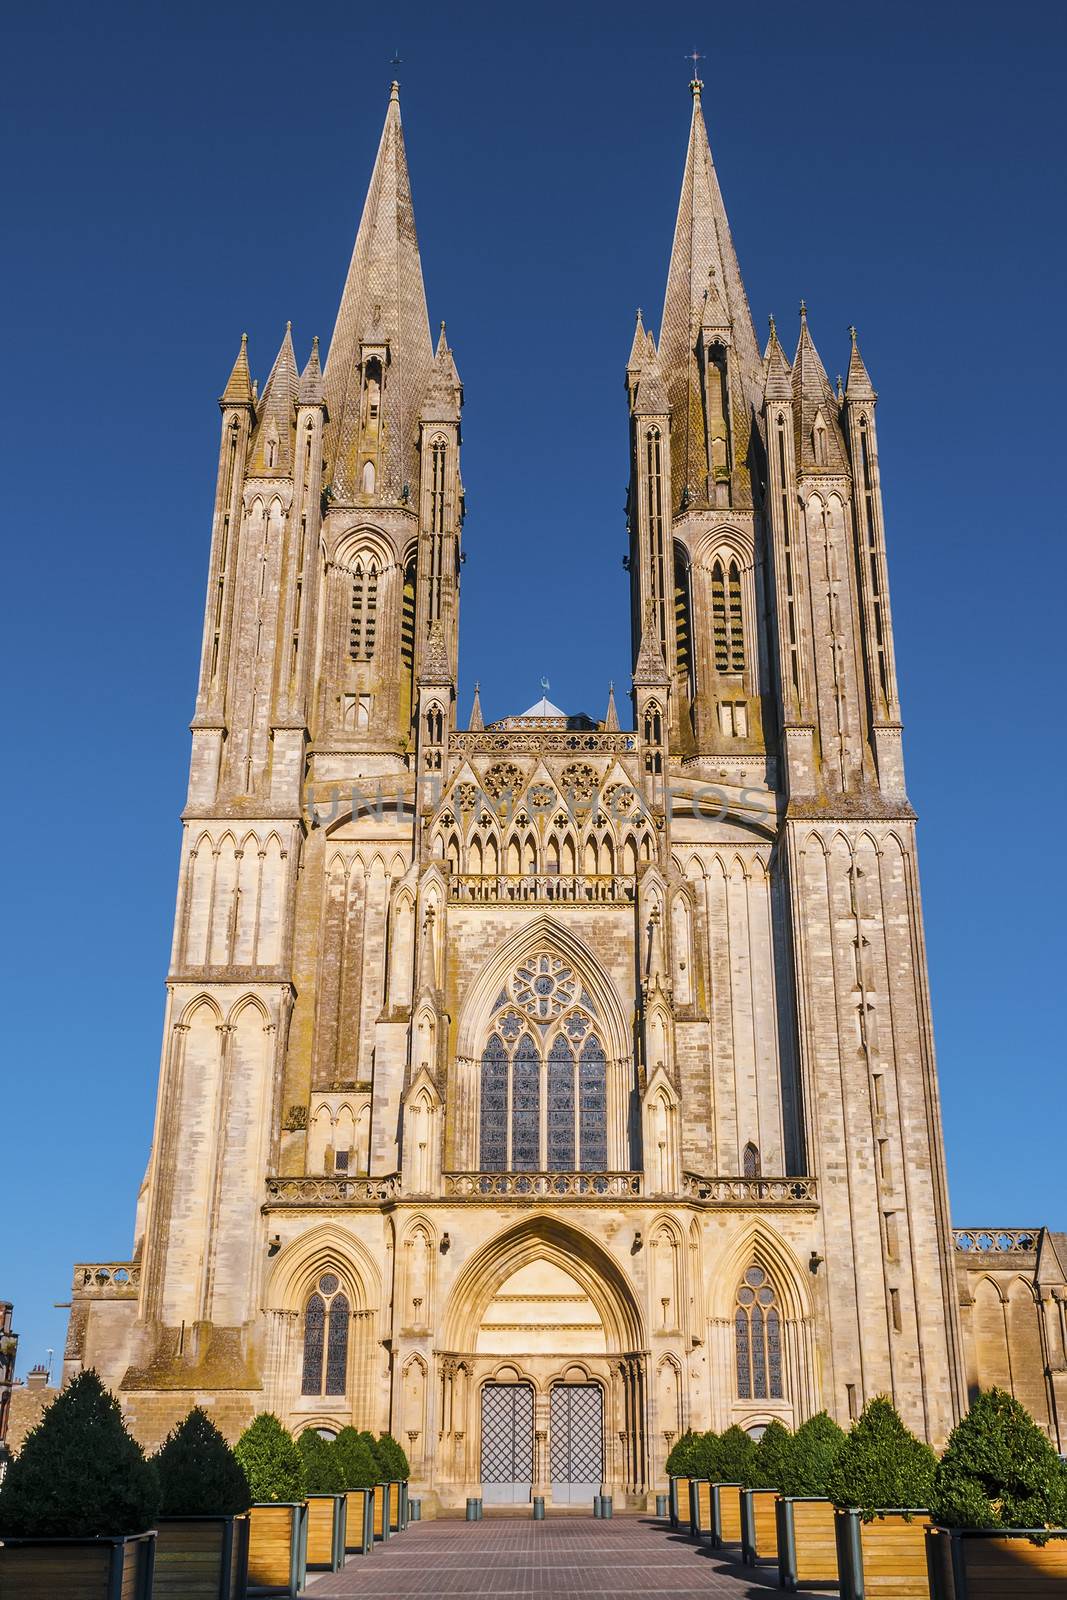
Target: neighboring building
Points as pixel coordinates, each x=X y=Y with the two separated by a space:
x=9 y=1345
x=540 y=1089
x=29 y=1402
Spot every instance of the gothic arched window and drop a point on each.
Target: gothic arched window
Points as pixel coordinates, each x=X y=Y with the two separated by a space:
x=363 y=622
x=543 y=1075
x=654 y=481
x=728 y=626
x=683 y=628
x=326 y=1318
x=758 y=1338
x=750 y=1161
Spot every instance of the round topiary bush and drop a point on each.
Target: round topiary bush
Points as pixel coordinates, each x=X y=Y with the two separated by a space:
x=323 y=1473
x=80 y=1473
x=815 y=1447
x=999 y=1470
x=358 y=1466
x=735 y=1451
x=767 y=1463
x=272 y=1463
x=678 y=1461
x=704 y=1456
x=882 y=1466
x=393 y=1459
x=199 y=1475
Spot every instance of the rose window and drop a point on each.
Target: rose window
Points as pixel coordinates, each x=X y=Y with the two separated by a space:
x=543 y=986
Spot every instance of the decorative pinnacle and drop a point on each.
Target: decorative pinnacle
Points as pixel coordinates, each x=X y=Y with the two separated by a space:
x=695 y=84
x=852 y=332
x=288 y=327
x=803 y=311
x=774 y=330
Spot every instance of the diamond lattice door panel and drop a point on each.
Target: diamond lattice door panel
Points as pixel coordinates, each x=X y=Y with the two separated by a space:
x=576 y=1442
x=507 y=1443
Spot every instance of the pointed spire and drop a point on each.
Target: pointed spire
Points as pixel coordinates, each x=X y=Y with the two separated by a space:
x=238 y=390
x=272 y=442
x=650 y=666
x=476 y=724
x=311 y=391
x=777 y=384
x=639 y=347
x=650 y=397
x=702 y=243
x=444 y=391
x=858 y=385
x=611 y=715
x=383 y=306
x=814 y=407
x=435 y=667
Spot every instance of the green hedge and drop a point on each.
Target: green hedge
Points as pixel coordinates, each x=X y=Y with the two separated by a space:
x=199 y=1475
x=359 y=1467
x=815 y=1447
x=999 y=1470
x=704 y=1456
x=882 y=1466
x=322 y=1470
x=678 y=1461
x=272 y=1463
x=393 y=1459
x=80 y=1473
x=768 y=1462
x=734 y=1455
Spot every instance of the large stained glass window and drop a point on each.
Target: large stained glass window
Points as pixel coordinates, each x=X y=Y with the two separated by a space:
x=544 y=1075
x=326 y=1320
x=758 y=1339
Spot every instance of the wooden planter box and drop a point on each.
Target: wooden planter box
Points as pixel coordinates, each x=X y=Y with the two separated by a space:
x=83 y=1569
x=725 y=1514
x=884 y=1559
x=678 y=1490
x=405 y=1514
x=326 y=1532
x=277 y=1548
x=759 y=1526
x=982 y=1564
x=394 y=1507
x=359 y=1521
x=381 y=1521
x=201 y=1558
x=807 y=1542
x=700 y=1508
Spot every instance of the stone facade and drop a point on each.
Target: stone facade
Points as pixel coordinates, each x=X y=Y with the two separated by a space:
x=541 y=1089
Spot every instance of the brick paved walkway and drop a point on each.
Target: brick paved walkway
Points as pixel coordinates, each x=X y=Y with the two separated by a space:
x=569 y=1558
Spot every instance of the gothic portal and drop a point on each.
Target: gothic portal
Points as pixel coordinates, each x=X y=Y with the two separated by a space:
x=539 y=1089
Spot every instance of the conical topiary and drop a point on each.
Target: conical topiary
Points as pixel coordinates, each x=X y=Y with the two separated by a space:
x=323 y=1474
x=999 y=1470
x=704 y=1456
x=767 y=1464
x=79 y=1472
x=199 y=1475
x=372 y=1445
x=815 y=1448
x=272 y=1463
x=734 y=1455
x=393 y=1459
x=358 y=1466
x=881 y=1465
x=678 y=1461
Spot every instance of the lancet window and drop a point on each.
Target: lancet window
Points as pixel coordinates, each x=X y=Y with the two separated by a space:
x=326 y=1319
x=543 y=1075
x=728 y=625
x=363 y=623
x=758 y=1338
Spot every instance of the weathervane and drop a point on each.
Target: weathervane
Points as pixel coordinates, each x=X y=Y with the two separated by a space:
x=545 y=685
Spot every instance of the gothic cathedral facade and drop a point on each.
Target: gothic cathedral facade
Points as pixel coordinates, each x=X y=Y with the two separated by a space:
x=537 y=1090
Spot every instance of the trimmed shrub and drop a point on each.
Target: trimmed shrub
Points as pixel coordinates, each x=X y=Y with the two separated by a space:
x=882 y=1466
x=358 y=1466
x=704 y=1456
x=393 y=1459
x=199 y=1475
x=272 y=1463
x=999 y=1470
x=323 y=1474
x=735 y=1451
x=375 y=1454
x=79 y=1473
x=815 y=1447
x=769 y=1460
x=678 y=1462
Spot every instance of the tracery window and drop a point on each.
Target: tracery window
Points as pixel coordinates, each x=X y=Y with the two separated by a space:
x=758 y=1338
x=326 y=1318
x=728 y=628
x=363 y=622
x=543 y=1075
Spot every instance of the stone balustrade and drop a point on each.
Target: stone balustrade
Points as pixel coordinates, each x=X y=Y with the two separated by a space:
x=332 y=1191
x=750 y=1191
x=542 y=1185
x=111 y=1278
x=550 y=887
x=996 y=1241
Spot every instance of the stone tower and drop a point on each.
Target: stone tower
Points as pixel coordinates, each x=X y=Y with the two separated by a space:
x=539 y=1089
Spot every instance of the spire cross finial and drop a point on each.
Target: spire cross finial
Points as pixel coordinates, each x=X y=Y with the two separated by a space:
x=852 y=332
x=803 y=308
x=695 y=84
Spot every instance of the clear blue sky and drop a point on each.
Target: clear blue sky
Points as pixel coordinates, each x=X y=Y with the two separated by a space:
x=175 y=175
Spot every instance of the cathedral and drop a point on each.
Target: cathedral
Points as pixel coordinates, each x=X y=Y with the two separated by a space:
x=541 y=1088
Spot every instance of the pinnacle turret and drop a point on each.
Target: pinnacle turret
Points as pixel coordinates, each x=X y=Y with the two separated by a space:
x=311 y=392
x=476 y=722
x=611 y=715
x=444 y=391
x=382 y=334
x=271 y=449
x=818 y=436
x=238 y=390
x=858 y=385
x=777 y=381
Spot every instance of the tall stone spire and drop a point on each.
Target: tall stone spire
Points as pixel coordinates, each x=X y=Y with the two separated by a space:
x=704 y=288
x=382 y=317
x=238 y=390
x=858 y=385
x=272 y=443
